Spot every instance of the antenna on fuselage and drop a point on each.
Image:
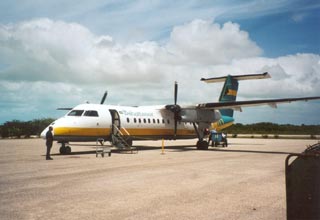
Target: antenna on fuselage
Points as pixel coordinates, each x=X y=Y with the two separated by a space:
x=104 y=97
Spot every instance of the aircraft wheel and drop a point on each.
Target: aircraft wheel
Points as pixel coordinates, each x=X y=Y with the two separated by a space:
x=202 y=145
x=62 y=150
x=68 y=150
x=65 y=150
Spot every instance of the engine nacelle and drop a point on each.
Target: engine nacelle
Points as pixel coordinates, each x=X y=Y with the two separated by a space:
x=199 y=115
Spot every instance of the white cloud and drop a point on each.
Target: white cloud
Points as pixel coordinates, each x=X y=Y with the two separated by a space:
x=208 y=43
x=292 y=75
x=46 y=50
x=45 y=64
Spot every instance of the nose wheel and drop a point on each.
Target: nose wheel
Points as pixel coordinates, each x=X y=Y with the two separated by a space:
x=65 y=149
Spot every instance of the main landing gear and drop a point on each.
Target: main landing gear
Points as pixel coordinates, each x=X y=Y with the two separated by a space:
x=202 y=145
x=65 y=149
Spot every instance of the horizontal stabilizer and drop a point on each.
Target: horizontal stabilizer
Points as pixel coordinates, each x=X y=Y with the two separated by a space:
x=237 y=105
x=237 y=77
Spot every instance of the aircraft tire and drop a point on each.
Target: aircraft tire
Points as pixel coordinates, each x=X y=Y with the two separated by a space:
x=202 y=145
x=68 y=150
x=65 y=150
x=62 y=150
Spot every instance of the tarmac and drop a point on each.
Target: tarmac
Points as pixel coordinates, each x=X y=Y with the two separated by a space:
x=244 y=181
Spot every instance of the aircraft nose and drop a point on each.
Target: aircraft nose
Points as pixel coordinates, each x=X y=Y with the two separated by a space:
x=43 y=133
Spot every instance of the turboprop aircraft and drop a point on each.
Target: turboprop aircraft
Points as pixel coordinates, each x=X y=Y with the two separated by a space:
x=123 y=124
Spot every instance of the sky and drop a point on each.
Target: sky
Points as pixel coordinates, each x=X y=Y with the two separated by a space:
x=60 y=53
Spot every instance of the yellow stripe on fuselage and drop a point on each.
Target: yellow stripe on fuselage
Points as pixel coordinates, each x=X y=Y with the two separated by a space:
x=90 y=132
x=72 y=131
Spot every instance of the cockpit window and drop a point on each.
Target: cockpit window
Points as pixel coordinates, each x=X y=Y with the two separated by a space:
x=91 y=114
x=76 y=113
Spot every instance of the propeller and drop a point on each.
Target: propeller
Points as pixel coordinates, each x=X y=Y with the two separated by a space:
x=104 y=97
x=175 y=109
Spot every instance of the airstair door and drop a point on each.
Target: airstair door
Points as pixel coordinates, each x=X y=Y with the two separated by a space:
x=116 y=124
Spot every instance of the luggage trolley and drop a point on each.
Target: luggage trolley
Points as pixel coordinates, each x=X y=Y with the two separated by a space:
x=101 y=148
x=218 y=138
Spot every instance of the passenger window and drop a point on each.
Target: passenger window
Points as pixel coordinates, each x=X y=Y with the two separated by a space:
x=91 y=114
x=139 y=120
x=168 y=121
x=149 y=120
x=162 y=121
x=76 y=113
x=158 y=121
x=144 y=120
x=154 y=121
x=135 y=120
x=128 y=120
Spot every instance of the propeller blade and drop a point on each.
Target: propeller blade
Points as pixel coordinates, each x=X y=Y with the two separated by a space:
x=175 y=127
x=104 y=97
x=64 y=109
x=175 y=92
x=176 y=108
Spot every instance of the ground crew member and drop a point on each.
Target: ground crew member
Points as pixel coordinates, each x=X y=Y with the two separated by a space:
x=49 y=141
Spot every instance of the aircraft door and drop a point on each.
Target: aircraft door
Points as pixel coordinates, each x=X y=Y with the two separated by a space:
x=116 y=124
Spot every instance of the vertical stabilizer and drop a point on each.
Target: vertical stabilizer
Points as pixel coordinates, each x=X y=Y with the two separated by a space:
x=229 y=93
x=230 y=88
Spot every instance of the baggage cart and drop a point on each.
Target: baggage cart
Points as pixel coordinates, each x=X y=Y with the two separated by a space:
x=101 y=148
x=218 y=138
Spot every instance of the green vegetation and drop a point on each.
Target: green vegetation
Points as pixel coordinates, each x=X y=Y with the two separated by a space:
x=19 y=129
x=273 y=129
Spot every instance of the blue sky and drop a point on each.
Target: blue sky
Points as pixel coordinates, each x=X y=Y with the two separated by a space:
x=62 y=53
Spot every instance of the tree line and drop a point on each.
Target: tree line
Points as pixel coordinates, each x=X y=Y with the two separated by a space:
x=271 y=128
x=19 y=129
x=26 y=129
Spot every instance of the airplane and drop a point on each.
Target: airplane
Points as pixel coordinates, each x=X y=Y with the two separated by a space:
x=122 y=124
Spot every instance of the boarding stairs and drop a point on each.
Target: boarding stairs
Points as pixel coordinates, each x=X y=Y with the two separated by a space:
x=122 y=142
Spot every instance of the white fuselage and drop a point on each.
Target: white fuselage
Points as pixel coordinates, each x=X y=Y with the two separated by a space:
x=87 y=122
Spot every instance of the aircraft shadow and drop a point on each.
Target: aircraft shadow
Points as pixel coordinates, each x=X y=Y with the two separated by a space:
x=250 y=151
x=216 y=149
x=75 y=153
x=179 y=148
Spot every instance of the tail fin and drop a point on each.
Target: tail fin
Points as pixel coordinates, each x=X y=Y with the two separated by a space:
x=230 y=88
x=229 y=93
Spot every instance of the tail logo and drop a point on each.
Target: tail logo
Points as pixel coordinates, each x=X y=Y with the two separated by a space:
x=231 y=92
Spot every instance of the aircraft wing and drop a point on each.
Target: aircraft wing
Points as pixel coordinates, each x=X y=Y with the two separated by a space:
x=237 y=105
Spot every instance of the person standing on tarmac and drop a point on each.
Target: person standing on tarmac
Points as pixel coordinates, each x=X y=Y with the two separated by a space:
x=49 y=142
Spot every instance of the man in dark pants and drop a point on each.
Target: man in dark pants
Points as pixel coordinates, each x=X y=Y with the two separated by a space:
x=49 y=138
